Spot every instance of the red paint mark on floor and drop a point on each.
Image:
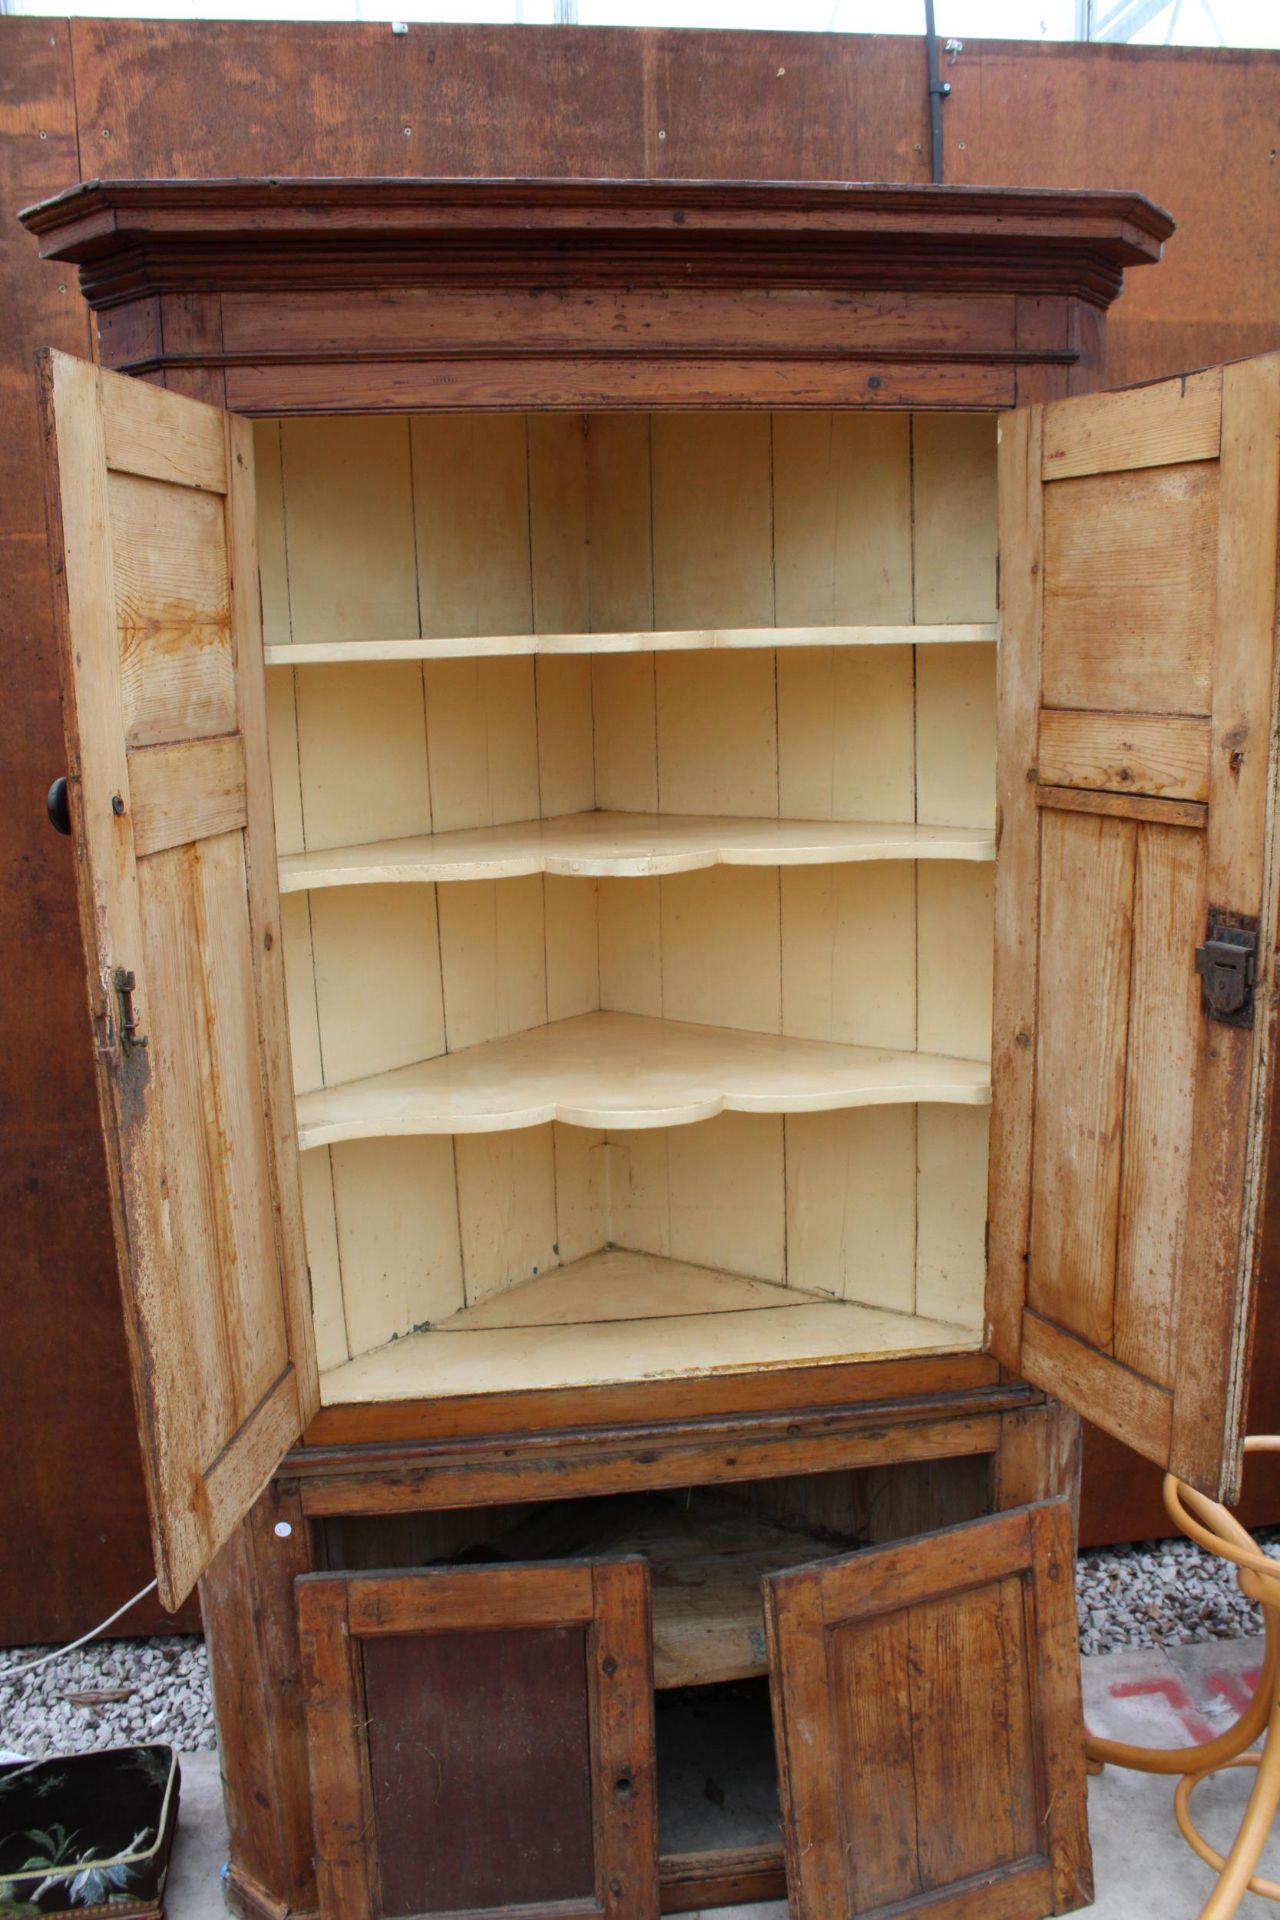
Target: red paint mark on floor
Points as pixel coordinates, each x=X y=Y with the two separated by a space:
x=1172 y=1690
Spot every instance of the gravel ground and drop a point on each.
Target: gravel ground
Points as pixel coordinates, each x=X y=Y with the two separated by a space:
x=1162 y=1593
x=1157 y=1593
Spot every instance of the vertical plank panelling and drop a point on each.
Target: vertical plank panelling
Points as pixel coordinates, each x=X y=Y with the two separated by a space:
x=846 y=746
x=848 y=953
x=582 y=1190
x=378 y=984
x=711 y=1194
x=712 y=520
x=323 y=1260
x=482 y=735
x=354 y=790
x=717 y=733
x=842 y=518
x=851 y=1204
x=625 y=727
x=1164 y=1023
x=506 y=1208
x=720 y=957
x=566 y=747
x=300 y=988
x=951 y=1212
x=956 y=735
x=954 y=906
x=397 y=1219
x=1086 y=886
x=471 y=514
x=559 y=520
x=630 y=931
x=571 y=523
x=954 y=510
x=571 y=920
x=492 y=958
x=619 y=523
x=349 y=519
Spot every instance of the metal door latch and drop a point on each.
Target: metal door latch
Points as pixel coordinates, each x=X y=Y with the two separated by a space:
x=126 y=981
x=1227 y=965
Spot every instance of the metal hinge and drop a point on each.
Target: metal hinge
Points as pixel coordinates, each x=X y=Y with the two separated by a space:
x=1227 y=965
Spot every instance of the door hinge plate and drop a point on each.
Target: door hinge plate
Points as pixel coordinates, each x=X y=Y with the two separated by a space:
x=1227 y=964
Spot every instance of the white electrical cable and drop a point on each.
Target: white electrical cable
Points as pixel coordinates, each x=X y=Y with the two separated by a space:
x=13 y=1673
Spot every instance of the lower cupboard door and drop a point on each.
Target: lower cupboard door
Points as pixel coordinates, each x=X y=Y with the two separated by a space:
x=926 y=1707
x=482 y=1738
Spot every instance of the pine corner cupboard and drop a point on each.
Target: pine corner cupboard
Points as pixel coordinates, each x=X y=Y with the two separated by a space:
x=658 y=1041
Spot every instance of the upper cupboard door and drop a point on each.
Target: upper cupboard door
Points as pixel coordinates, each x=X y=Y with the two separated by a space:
x=152 y=525
x=1134 y=1028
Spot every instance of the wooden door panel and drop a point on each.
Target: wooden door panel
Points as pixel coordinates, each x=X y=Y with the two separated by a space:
x=1137 y=794
x=151 y=504
x=481 y=1739
x=927 y=1714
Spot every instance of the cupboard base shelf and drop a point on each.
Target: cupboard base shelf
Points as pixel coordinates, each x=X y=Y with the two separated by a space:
x=617 y=1317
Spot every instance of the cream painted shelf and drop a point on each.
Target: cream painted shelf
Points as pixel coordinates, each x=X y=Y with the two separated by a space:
x=626 y=845
x=311 y=653
x=625 y=1070
x=617 y=1315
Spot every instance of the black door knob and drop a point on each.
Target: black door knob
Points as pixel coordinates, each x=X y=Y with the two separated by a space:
x=58 y=805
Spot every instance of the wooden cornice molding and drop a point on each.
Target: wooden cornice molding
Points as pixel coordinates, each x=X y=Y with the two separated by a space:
x=133 y=238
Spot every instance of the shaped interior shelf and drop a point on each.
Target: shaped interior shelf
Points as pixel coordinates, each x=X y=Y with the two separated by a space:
x=626 y=845
x=617 y=1315
x=311 y=653
x=625 y=1070
x=707 y=1557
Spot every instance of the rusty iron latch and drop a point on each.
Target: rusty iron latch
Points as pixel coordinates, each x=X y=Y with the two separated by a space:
x=126 y=983
x=1227 y=965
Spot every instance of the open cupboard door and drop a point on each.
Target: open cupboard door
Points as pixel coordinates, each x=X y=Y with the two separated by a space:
x=926 y=1708
x=481 y=1740
x=1136 y=905
x=152 y=528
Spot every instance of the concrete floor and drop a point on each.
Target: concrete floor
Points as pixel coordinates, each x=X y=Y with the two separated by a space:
x=1143 y=1869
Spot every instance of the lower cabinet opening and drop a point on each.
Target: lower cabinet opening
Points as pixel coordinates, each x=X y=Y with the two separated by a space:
x=709 y=1549
x=719 y=1819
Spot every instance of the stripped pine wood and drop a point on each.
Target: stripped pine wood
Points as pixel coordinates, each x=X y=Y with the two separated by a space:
x=208 y=798
x=909 y=1679
x=1130 y=590
x=1086 y=884
x=626 y=845
x=1148 y=427
x=1128 y=1295
x=173 y=612
x=381 y=1656
x=620 y=1070
x=1164 y=1022
x=160 y=645
x=1131 y=753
